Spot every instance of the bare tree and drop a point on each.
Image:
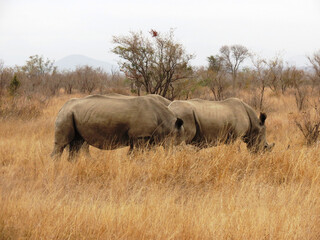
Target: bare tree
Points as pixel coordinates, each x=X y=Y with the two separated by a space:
x=6 y=74
x=116 y=78
x=276 y=77
x=69 y=82
x=259 y=74
x=37 y=66
x=152 y=63
x=88 y=79
x=53 y=83
x=37 y=72
x=315 y=62
x=233 y=56
x=298 y=81
x=308 y=122
x=215 y=77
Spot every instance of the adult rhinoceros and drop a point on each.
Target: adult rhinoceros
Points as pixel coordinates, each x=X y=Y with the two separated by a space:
x=209 y=122
x=112 y=122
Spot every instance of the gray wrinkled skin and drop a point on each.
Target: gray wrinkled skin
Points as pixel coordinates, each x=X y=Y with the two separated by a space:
x=113 y=121
x=156 y=97
x=207 y=123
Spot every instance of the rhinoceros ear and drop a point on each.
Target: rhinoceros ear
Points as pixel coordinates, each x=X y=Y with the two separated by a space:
x=263 y=118
x=179 y=123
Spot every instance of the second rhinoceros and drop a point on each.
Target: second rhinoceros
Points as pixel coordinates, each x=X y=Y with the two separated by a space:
x=209 y=122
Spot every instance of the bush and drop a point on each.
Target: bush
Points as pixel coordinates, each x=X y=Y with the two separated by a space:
x=14 y=85
x=308 y=123
x=20 y=107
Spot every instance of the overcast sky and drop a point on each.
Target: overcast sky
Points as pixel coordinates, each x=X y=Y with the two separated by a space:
x=59 y=28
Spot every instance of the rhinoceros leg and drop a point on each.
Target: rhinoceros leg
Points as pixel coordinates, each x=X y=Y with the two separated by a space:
x=75 y=146
x=57 y=151
x=140 y=143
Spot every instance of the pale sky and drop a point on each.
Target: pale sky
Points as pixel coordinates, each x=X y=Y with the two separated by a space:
x=59 y=28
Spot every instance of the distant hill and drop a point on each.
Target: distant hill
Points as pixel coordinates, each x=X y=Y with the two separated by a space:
x=71 y=62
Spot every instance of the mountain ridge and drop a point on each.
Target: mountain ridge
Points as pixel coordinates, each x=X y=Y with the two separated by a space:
x=71 y=62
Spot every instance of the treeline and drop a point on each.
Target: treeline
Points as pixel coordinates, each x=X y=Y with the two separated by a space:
x=40 y=76
x=157 y=63
x=273 y=74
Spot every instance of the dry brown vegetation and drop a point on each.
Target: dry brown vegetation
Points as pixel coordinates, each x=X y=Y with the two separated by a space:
x=216 y=193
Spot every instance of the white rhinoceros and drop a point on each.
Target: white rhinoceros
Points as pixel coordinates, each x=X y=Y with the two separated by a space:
x=207 y=123
x=109 y=122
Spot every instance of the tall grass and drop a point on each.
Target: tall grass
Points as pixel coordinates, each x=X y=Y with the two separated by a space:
x=178 y=193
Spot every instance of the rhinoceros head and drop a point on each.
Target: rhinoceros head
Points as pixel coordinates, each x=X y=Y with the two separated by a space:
x=256 y=139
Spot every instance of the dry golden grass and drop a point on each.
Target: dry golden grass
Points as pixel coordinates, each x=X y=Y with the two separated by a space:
x=216 y=193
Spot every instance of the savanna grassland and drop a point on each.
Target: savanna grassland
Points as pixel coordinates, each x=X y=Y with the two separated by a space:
x=222 y=192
